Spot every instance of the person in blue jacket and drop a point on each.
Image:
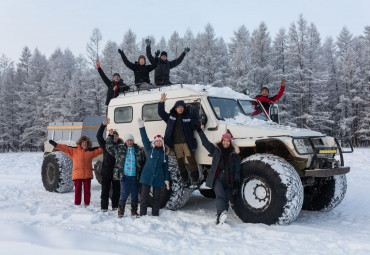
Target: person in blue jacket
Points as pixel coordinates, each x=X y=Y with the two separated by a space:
x=179 y=135
x=155 y=171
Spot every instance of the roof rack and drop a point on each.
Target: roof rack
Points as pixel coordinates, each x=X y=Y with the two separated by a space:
x=147 y=87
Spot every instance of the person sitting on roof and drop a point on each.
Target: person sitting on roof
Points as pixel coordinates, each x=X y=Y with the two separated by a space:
x=266 y=100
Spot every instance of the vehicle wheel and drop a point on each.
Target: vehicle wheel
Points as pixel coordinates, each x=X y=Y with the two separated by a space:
x=326 y=194
x=208 y=193
x=271 y=191
x=97 y=170
x=179 y=194
x=56 y=172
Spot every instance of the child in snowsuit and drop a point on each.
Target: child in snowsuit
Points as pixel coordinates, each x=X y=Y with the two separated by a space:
x=224 y=175
x=107 y=170
x=179 y=135
x=267 y=101
x=162 y=72
x=130 y=160
x=82 y=157
x=141 y=71
x=114 y=87
x=155 y=172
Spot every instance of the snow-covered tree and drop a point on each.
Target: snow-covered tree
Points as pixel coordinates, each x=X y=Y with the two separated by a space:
x=93 y=47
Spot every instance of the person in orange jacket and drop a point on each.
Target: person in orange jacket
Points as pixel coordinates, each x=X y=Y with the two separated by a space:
x=82 y=157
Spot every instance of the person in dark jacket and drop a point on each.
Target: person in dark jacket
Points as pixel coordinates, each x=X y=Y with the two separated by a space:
x=141 y=71
x=107 y=170
x=179 y=135
x=266 y=100
x=130 y=160
x=155 y=172
x=115 y=86
x=162 y=72
x=224 y=175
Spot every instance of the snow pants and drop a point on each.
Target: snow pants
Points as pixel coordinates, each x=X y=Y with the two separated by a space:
x=222 y=194
x=78 y=191
x=145 y=189
x=106 y=184
x=129 y=185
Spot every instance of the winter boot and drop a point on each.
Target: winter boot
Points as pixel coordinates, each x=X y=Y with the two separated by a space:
x=185 y=177
x=194 y=179
x=134 y=209
x=121 y=208
x=221 y=218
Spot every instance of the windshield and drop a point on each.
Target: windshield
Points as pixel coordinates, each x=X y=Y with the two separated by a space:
x=225 y=107
x=253 y=109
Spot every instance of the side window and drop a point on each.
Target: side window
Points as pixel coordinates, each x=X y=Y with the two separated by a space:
x=123 y=114
x=150 y=112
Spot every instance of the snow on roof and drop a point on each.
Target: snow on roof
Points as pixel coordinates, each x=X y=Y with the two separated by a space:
x=226 y=92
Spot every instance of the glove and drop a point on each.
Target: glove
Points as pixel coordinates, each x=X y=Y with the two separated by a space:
x=167 y=183
x=147 y=41
x=120 y=51
x=140 y=122
x=186 y=50
x=157 y=53
x=236 y=187
x=53 y=143
x=197 y=128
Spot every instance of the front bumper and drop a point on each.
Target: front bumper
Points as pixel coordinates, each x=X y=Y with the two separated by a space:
x=327 y=172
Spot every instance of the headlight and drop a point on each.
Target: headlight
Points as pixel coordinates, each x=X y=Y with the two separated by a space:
x=300 y=146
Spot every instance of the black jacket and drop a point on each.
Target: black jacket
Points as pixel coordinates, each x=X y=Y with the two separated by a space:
x=108 y=160
x=141 y=72
x=234 y=162
x=188 y=125
x=162 y=72
x=122 y=87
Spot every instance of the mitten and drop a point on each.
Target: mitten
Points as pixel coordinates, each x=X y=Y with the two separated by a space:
x=140 y=122
x=147 y=41
x=186 y=50
x=53 y=143
x=167 y=185
x=157 y=53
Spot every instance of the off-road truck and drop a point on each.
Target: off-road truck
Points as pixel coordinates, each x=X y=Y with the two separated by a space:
x=284 y=169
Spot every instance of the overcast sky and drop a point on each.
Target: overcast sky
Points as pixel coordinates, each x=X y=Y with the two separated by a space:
x=47 y=24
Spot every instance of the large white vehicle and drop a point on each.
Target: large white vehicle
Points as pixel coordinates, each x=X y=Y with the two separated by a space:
x=284 y=169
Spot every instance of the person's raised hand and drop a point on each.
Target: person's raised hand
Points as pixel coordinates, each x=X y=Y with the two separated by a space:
x=163 y=97
x=140 y=122
x=106 y=121
x=283 y=82
x=147 y=41
x=157 y=53
x=186 y=50
x=111 y=131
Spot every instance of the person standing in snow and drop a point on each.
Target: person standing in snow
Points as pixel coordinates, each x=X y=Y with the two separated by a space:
x=266 y=100
x=162 y=72
x=82 y=157
x=155 y=171
x=141 y=71
x=115 y=86
x=130 y=160
x=107 y=170
x=179 y=135
x=224 y=175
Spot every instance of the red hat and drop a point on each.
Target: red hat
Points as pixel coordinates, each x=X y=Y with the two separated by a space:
x=227 y=136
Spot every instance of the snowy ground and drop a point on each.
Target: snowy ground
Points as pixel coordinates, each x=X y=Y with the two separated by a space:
x=34 y=221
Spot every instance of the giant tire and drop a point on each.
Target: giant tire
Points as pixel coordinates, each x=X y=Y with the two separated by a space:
x=326 y=194
x=271 y=191
x=179 y=194
x=56 y=172
x=165 y=196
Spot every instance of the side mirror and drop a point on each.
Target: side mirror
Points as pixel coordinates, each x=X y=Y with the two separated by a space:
x=246 y=92
x=274 y=113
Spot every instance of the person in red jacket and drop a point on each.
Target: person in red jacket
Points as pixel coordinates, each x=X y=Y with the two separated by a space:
x=266 y=100
x=82 y=157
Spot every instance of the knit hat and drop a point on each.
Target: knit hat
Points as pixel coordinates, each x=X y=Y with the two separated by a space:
x=163 y=53
x=128 y=137
x=117 y=74
x=227 y=136
x=180 y=103
x=266 y=88
x=115 y=133
x=159 y=137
